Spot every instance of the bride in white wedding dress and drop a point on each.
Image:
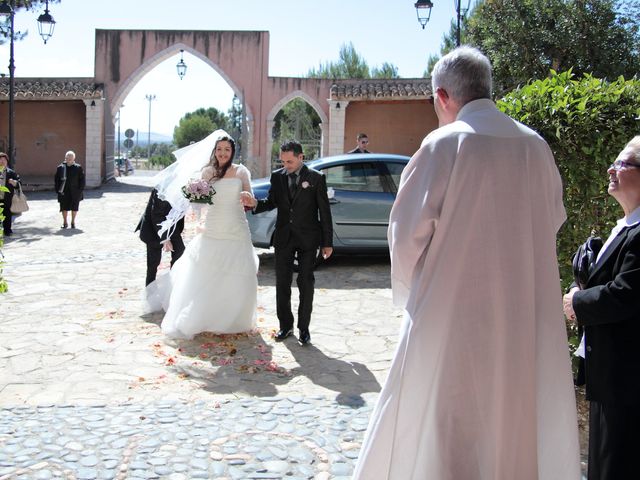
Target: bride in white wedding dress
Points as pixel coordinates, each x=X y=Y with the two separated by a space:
x=213 y=286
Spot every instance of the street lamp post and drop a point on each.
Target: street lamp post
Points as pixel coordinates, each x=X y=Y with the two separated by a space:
x=423 y=9
x=460 y=13
x=46 y=25
x=151 y=98
x=118 y=144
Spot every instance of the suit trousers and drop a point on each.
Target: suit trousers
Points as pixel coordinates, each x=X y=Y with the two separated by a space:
x=154 y=256
x=284 y=258
x=614 y=441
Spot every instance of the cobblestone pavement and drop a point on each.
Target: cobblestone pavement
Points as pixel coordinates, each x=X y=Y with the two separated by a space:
x=90 y=388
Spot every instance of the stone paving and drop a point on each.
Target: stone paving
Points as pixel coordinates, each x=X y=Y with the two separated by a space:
x=90 y=388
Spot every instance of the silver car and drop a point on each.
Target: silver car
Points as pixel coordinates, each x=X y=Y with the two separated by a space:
x=361 y=187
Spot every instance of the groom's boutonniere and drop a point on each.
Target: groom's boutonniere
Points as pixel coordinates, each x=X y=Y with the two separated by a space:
x=304 y=184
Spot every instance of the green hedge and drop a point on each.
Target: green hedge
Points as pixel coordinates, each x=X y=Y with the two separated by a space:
x=587 y=122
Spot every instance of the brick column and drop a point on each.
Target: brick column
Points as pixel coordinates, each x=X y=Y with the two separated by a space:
x=337 y=115
x=94 y=129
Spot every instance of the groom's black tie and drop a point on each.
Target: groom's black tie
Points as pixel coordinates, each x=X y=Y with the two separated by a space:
x=293 y=184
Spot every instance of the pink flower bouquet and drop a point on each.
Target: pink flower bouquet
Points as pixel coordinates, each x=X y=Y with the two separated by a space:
x=199 y=191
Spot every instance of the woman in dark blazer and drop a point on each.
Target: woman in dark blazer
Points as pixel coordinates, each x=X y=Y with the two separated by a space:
x=69 y=184
x=609 y=310
x=9 y=179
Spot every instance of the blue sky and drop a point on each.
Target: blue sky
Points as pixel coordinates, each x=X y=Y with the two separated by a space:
x=302 y=34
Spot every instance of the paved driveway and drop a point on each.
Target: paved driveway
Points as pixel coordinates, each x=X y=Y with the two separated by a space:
x=76 y=353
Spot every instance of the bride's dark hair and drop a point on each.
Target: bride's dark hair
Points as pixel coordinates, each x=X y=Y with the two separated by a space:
x=219 y=171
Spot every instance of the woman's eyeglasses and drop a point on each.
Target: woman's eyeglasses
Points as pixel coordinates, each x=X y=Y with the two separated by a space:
x=620 y=164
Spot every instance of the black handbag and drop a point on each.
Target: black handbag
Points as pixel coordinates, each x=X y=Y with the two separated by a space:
x=584 y=260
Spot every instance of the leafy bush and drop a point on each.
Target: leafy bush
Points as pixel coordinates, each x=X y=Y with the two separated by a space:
x=587 y=122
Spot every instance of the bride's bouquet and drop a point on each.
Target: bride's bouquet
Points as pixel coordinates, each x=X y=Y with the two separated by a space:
x=199 y=191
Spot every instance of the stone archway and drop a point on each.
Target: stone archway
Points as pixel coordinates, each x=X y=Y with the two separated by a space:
x=270 y=120
x=127 y=86
x=124 y=56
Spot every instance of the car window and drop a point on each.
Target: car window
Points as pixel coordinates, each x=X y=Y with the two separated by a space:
x=395 y=170
x=359 y=177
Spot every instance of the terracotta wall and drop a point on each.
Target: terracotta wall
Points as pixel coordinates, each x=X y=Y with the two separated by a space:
x=44 y=132
x=393 y=127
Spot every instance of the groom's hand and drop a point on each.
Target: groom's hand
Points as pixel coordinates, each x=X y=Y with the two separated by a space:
x=248 y=200
x=326 y=252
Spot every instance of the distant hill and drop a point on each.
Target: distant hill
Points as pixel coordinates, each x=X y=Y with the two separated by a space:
x=141 y=138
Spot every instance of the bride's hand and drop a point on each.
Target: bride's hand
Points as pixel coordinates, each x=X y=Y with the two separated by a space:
x=246 y=199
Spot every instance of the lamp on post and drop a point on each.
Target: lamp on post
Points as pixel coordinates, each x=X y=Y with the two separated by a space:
x=181 y=66
x=151 y=98
x=423 y=10
x=46 y=24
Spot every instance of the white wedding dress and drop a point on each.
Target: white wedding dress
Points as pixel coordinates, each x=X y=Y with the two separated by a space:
x=213 y=287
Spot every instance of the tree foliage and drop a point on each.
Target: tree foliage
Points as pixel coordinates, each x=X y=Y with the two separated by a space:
x=161 y=155
x=386 y=70
x=350 y=64
x=525 y=39
x=195 y=126
x=586 y=121
x=235 y=123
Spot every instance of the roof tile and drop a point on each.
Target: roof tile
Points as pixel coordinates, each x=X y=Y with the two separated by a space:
x=52 y=88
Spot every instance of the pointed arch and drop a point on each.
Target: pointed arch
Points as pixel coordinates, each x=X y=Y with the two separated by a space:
x=297 y=94
x=270 y=120
x=155 y=60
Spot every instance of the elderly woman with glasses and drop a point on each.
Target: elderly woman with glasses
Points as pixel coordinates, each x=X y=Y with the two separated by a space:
x=608 y=308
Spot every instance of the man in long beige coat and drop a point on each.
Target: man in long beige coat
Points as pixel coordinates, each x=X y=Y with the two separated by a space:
x=480 y=387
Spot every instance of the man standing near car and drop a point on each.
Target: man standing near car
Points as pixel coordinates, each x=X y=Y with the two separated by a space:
x=303 y=225
x=363 y=142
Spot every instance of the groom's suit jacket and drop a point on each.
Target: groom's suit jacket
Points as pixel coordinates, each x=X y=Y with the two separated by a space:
x=609 y=310
x=307 y=216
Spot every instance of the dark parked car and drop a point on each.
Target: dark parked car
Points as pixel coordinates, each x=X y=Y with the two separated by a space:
x=361 y=187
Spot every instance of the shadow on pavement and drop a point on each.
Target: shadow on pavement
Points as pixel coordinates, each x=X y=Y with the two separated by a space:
x=342 y=272
x=243 y=364
x=349 y=379
x=227 y=364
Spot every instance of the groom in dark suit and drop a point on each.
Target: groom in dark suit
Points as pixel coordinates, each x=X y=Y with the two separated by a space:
x=303 y=225
x=149 y=225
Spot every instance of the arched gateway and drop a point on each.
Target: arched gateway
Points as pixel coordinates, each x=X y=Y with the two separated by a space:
x=53 y=115
x=123 y=57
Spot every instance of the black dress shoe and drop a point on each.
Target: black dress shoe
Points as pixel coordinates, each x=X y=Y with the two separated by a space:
x=282 y=334
x=304 y=337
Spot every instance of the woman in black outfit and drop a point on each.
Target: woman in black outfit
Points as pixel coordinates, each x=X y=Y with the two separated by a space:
x=69 y=183
x=10 y=179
